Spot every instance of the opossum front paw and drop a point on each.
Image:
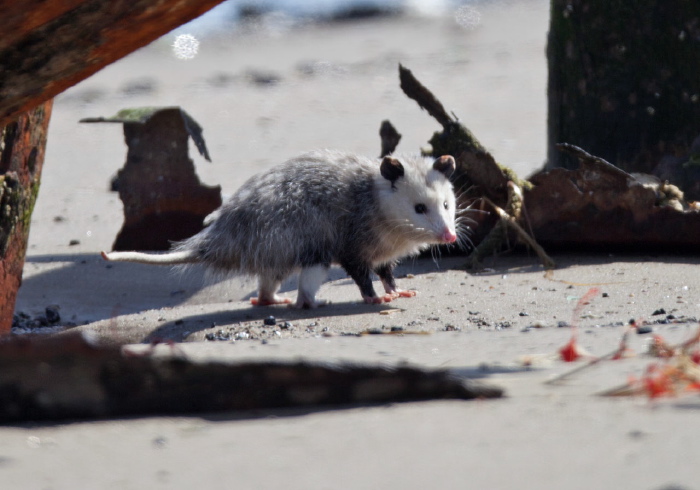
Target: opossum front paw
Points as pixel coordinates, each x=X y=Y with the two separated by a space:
x=399 y=293
x=404 y=293
x=275 y=300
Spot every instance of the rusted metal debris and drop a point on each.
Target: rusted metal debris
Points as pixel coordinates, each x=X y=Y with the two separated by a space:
x=163 y=198
x=47 y=47
x=597 y=206
x=69 y=377
x=22 y=145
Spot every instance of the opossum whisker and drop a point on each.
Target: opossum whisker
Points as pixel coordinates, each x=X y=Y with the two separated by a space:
x=463 y=189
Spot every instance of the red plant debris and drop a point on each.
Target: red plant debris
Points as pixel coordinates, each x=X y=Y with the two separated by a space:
x=676 y=374
x=572 y=351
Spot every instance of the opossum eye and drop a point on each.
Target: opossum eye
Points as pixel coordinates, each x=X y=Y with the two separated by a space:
x=447 y=206
x=421 y=208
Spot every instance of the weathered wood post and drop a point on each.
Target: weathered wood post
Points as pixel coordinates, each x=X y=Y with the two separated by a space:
x=164 y=201
x=22 y=146
x=623 y=81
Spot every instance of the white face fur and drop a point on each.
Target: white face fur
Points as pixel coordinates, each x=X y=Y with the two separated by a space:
x=417 y=195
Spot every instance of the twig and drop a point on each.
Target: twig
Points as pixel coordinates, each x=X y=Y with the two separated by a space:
x=546 y=260
x=426 y=100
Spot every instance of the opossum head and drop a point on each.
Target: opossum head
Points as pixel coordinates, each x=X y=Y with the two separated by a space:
x=417 y=198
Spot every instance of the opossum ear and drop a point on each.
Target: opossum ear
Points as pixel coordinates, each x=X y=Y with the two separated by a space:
x=391 y=169
x=445 y=164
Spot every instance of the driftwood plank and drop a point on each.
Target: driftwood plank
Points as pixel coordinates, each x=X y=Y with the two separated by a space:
x=48 y=46
x=69 y=377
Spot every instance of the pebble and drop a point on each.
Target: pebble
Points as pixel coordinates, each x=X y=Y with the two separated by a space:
x=270 y=320
x=52 y=314
x=644 y=329
x=160 y=442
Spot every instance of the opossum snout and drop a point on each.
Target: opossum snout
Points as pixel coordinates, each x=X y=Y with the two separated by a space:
x=448 y=236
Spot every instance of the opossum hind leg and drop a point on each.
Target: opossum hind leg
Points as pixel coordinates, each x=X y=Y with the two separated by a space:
x=267 y=293
x=310 y=280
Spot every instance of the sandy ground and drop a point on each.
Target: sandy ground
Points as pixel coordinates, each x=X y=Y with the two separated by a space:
x=336 y=83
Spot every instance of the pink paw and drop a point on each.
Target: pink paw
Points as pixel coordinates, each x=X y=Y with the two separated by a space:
x=410 y=293
x=270 y=301
x=399 y=293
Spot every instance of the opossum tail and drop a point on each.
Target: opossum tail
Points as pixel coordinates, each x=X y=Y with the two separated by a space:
x=171 y=258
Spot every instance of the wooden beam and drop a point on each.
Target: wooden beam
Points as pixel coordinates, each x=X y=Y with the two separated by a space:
x=22 y=145
x=48 y=46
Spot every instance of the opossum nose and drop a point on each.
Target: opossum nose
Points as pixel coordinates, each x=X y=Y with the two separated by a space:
x=448 y=236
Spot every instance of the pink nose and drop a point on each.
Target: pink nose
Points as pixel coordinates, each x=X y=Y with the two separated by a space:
x=448 y=236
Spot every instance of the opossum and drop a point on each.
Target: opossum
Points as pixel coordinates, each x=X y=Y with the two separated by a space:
x=325 y=207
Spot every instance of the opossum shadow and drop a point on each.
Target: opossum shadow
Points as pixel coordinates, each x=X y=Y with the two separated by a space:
x=88 y=289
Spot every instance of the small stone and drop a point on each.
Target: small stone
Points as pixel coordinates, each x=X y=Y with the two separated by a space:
x=605 y=295
x=270 y=320
x=660 y=311
x=644 y=329
x=160 y=442
x=52 y=314
x=286 y=326
x=522 y=313
x=397 y=328
x=72 y=243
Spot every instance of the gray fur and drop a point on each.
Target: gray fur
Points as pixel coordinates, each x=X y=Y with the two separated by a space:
x=322 y=208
